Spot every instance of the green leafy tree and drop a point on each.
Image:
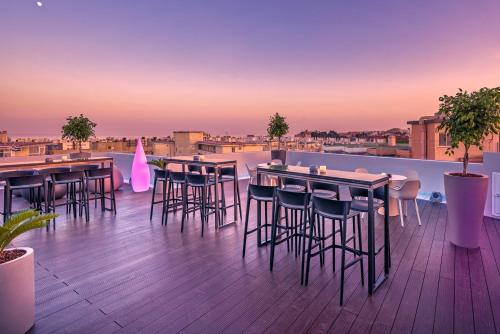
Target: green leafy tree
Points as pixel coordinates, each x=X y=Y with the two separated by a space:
x=78 y=130
x=277 y=127
x=468 y=118
x=20 y=223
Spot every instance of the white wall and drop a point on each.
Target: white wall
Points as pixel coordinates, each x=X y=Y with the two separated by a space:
x=430 y=171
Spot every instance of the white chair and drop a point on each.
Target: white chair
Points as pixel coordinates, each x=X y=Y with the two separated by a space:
x=361 y=170
x=408 y=191
x=252 y=172
x=411 y=174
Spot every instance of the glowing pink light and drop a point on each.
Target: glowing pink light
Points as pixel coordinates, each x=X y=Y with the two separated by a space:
x=140 y=170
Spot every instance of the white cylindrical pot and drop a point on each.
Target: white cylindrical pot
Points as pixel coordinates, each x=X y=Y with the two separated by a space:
x=465 y=198
x=17 y=294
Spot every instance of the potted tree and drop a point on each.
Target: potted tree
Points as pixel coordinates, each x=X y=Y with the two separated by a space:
x=78 y=130
x=277 y=128
x=17 y=270
x=467 y=118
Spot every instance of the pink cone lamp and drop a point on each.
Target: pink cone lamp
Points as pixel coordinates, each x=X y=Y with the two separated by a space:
x=140 y=170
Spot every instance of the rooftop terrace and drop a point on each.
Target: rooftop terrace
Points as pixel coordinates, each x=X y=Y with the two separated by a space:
x=126 y=274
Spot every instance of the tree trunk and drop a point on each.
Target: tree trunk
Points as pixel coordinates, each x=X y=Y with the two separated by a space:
x=80 y=146
x=466 y=160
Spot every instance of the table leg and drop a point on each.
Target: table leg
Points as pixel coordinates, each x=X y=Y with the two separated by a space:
x=235 y=193
x=259 y=178
x=371 y=244
x=387 y=241
x=216 y=196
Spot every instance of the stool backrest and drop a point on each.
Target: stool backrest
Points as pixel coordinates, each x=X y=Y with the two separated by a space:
x=177 y=176
x=295 y=182
x=84 y=167
x=48 y=171
x=227 y=171
x=5 y=175
x=99 y=173
x=324 y=186
x=74 y=176
x=195 y=169
x=161 y=173
x=359 y=192
x=293 y=198
x=210 y=170
x=261 y=191
x=198 y=179
x=26 y=181
x=331 y=206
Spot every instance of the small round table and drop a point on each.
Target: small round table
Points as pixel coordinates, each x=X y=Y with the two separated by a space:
x=395 y=181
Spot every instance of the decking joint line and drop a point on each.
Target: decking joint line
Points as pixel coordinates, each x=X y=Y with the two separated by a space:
x=116 y=322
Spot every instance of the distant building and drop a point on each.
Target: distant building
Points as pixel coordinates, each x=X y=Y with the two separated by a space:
x=186 y=142
x=23 y=149
x=4 y=137
x=164 y=148
x=229 y=147
x=428 y=143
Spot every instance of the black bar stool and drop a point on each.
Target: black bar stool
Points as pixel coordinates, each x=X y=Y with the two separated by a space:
x=260 y=194
x=35 y=184
x=290 y=184
x=201 y=184
x=3 y=179
x=83 y=168
x=100 y=176
x=161 y=175
x=77 y=197
x=336 y=211
x=360 y=203
x=176 y=181
x=296 y=206
x=47 y=173
x=228 y=174
x=360 y=199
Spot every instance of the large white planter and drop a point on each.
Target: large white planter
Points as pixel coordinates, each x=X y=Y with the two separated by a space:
x=465 y=198
x=17 y=294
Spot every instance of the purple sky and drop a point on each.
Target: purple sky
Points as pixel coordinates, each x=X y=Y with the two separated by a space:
x=150 y=67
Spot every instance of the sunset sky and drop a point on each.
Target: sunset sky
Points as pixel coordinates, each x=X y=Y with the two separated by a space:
x=148 y=67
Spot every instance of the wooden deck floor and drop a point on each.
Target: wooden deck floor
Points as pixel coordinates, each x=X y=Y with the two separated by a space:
x=126 y=274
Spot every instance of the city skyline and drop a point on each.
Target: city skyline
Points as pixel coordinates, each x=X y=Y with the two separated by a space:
x=152 y=67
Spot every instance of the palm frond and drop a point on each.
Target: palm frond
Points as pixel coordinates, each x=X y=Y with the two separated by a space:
x=21 y=223
x=19 y=218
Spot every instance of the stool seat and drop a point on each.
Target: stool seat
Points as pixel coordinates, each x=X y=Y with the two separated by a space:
x=294 y=187
x=324 y=193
